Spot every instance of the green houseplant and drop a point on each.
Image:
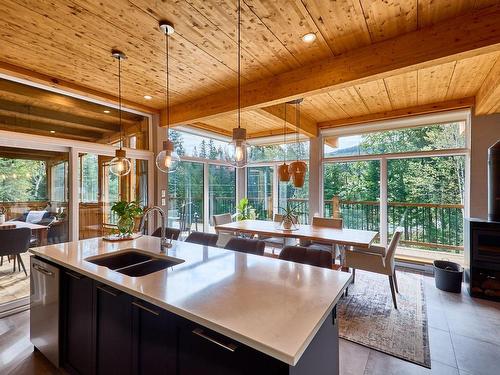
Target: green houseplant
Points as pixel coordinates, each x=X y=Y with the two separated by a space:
x=290 y=217
x=126 y=212
x=244 y=211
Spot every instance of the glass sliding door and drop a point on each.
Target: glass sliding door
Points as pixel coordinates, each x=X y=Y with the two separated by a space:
x=352 y=192
x=426 y=199
x=185 y=197
x=260 y=190
x=100 y=189
x=221 y=190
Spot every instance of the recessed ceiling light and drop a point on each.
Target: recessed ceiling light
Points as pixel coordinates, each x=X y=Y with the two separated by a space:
x=309 y=37
x=52 y=132
x=148 y=97
x=107 y=111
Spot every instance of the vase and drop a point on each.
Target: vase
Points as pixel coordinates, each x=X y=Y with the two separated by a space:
x=125 y=225
x=287 y=224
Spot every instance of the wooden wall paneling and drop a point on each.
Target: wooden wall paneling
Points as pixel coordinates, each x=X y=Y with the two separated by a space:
x=375 y=96
x=387 y=19
x=473 y=34
x=402 y=89
x=342 y=23
x=469 y=74
x=488 y=96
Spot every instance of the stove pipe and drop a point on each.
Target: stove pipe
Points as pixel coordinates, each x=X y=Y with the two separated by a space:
x=494 y=182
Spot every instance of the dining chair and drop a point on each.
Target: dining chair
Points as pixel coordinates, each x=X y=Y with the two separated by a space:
x=14 y=242
x=376 y=262
x=274 y=242
x=201 y=238
x=246 y=245
x=333 y=223
x=304 y=255
x=170 y=233
x=224 y=236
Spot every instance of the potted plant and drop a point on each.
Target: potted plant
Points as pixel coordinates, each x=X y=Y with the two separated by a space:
x=2 y=215
x=244 y=211
x=126 y=212
x=290 y=217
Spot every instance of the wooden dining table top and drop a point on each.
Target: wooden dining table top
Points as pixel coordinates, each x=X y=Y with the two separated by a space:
x=349 y=237
x=23 y=224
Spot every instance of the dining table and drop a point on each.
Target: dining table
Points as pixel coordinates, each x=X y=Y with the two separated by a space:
x=39 y=231
x=343 y=237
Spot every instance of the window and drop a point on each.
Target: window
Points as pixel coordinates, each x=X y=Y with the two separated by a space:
x=22 y=180
x=276 y=152
x=297 y=198
x=196 y=146
x=221 y=190
x=59 y=182
x=89 y=178
x=412 y=178
x=260 y=191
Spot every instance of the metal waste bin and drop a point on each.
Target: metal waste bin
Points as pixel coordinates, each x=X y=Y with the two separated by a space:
x=448 y=276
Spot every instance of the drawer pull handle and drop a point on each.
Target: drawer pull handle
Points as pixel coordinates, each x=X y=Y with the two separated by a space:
x=137 y=304
x=78 y=277
x=199 y=332
x=107 y=291
x=43 y=270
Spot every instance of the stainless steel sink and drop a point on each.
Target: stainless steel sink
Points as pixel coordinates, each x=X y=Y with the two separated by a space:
x=132 y=262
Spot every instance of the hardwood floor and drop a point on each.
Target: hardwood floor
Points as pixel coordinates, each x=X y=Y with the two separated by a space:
x=464 y=340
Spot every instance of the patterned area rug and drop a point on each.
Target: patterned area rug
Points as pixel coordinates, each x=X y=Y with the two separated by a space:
x=367 y=316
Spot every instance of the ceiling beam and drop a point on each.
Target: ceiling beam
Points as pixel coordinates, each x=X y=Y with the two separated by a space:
x=71 y=88
x=470 y=35
x=49 y=116
x=12 y=124
x=399 y=113
x=306 y=125
x=488 y=96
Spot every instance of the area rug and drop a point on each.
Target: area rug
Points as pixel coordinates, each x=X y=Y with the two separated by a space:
x=368 y=317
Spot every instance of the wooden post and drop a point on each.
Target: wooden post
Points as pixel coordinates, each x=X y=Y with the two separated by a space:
x=336 y=207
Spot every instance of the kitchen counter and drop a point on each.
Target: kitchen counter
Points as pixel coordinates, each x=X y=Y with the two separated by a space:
x=273 y=306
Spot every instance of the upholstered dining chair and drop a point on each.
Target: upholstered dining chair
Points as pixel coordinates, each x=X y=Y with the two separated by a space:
x=170 y=233
x=304 y=255
x=224 y=236
x=246 y=245
x=274 y=242
x=376 y=262
x=201 y=238
x=14 y=242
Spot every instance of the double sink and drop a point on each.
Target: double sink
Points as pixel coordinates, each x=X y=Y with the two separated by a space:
x=135 y=263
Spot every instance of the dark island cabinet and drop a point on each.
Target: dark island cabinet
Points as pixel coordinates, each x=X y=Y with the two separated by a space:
x=77 y=323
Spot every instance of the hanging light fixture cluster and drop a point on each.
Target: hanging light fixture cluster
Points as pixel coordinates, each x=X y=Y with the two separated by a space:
x=298 y=168
x=167 y=160
x=284 y=169
x=236 y=152
x=120 y=165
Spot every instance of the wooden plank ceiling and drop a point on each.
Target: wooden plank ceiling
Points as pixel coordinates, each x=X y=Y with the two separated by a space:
x=68 y=44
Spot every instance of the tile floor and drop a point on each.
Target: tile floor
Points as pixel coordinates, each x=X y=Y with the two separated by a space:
x=464 y=336
x=464 y=340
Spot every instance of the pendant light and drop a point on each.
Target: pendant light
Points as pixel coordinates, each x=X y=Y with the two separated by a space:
x=167 y=160
x=298 y=168
x=236 y=152
x=120 y=165
x=283 y=170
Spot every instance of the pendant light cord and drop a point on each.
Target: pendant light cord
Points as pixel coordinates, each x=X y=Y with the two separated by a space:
x=167 y=82
x=120 y=98
x=297 y=122
x=284 y=139
x=239 y=63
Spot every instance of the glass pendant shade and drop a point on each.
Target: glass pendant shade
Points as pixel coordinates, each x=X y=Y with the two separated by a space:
x=298 y=171
x=120 y=165
x=284 y=172
x=236 y=152
x=167 y=160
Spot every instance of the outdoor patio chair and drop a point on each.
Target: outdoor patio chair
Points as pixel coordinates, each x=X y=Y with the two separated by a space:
x=304 y=255
x=246 y=245
x=14 y=242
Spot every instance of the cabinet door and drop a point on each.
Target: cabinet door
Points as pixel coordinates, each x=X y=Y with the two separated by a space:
x=113 y=331
x=78 y=323
x=155 y=340
x=204 y=352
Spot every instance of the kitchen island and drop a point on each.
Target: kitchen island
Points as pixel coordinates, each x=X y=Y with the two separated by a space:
x=211 y=311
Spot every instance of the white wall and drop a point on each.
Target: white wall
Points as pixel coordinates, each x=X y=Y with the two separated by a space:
x=485 y=131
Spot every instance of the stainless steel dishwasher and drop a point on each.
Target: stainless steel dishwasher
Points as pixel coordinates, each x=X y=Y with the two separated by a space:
x=44 y=308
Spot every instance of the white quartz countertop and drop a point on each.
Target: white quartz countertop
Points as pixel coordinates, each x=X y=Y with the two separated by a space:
x=271 y=305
